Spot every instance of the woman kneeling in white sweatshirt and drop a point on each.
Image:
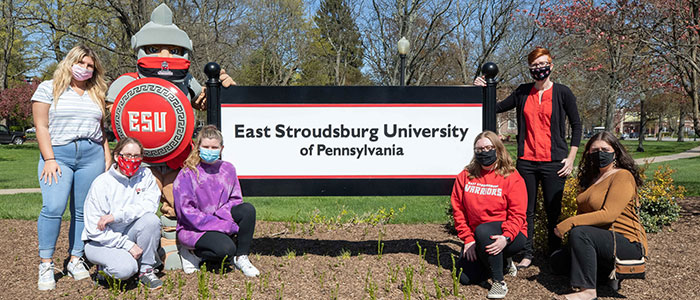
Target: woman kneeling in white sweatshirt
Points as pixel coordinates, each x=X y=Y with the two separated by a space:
x=121 y=228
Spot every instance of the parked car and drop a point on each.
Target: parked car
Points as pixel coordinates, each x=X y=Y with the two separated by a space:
x=30 y=130
x=15 y=137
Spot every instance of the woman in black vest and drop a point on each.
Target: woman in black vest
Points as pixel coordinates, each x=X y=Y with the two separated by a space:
x=544 y=158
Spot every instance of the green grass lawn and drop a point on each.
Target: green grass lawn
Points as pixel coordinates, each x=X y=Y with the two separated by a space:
x=18 y=166
x=418 y=209
x=18 y=170
x=687 y=173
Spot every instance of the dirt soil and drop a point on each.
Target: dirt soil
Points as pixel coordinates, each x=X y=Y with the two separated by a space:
x=343 y=263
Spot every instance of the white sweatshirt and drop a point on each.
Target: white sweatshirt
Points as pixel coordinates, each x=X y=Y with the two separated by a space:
x=127 y=199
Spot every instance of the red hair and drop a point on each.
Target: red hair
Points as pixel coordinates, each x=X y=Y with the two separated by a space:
x=535 y=54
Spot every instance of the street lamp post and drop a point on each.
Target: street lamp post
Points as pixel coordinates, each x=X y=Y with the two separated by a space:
x=404 y=45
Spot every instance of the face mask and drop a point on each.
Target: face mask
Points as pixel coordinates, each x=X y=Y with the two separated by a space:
x=486 y=158
x=602 y=159
x=80 y=73
x=168 y=68
x=128 y=166
x=209 y=155
x=540 y=73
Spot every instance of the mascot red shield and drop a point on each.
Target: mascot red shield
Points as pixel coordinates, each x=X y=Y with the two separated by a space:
x=158 y=114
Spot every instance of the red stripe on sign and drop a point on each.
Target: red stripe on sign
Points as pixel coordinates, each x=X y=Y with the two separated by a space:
x=358 y=105
x=350 y=177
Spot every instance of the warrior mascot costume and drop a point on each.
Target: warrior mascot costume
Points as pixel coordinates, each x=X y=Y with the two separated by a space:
x=155 y=105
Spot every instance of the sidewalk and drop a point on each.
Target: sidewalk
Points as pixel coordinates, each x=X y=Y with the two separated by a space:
x=655 y=159
x=19 y=191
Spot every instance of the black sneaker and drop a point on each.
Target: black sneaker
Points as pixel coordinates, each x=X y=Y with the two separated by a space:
x=150 y=280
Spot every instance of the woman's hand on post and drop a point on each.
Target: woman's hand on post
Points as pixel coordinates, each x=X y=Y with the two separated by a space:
x=104 y=220
x=567 y=168
x=136 y=251
x=497 y=246
x=51 y=172
x=469 y=251
x=480 y=81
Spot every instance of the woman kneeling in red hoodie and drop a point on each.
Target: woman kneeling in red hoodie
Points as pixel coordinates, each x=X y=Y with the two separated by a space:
x=489 y=200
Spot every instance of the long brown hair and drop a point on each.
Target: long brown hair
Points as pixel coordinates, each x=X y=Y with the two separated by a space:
x=207 y=132
x=587 y=172
x=504 y=163
x=96 y=85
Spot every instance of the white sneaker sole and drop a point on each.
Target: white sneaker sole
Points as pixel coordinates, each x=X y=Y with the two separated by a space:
x=79 y=276
x=45 y=286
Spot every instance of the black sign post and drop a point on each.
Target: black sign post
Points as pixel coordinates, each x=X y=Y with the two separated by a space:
x=490 y=70
x=212 y=70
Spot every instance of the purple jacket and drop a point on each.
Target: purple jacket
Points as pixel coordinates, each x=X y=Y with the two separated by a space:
x=203 y=203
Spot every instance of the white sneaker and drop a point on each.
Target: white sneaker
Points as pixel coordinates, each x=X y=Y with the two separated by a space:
x=78 y=269
x=190 y=261
x=243 y=263
x=511 y=269
x=498 y=290
x=46 y=279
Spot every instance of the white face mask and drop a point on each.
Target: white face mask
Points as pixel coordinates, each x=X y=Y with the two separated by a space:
x=80 y=73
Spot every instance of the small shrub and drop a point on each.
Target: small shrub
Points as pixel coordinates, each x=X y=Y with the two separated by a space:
x=658 y=197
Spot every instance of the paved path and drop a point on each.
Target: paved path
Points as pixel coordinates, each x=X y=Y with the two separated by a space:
x=687 y=154
x=19 y=191
x=654 y=159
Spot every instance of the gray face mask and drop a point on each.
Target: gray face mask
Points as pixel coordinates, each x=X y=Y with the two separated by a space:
x=601 y=158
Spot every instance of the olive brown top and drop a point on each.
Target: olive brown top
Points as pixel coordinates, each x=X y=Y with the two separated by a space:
x=612 y=201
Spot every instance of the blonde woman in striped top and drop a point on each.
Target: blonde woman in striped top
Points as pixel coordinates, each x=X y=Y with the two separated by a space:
x=68 y=112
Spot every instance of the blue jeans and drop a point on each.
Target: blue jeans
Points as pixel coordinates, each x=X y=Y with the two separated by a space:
x=81 y=161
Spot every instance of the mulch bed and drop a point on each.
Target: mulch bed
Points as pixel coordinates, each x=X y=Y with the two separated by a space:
x=299 y=263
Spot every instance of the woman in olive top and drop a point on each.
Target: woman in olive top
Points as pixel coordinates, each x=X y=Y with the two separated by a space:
x=608 y=204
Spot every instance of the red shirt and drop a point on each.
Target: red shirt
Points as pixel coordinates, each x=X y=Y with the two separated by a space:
x=489 y=198
x=538 y=119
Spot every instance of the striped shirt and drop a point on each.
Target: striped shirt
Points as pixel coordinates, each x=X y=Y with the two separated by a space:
x=74 y=117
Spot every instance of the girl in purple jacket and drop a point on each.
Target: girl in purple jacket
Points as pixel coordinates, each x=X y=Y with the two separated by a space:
x=213 y=223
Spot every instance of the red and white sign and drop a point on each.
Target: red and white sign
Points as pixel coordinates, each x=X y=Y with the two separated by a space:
x=303 y=141
x=158 y=114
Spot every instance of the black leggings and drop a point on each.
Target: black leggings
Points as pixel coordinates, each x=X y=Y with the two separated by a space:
x=486 y=264
x=542 y=173
x=214 y=246
x=589 y=255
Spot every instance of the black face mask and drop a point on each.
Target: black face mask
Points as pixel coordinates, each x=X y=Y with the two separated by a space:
x=540 y=73
x=486 y=158
x=601 y=158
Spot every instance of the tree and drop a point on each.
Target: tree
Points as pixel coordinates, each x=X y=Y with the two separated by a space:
x=336 y=52
x=606 y=25
x=426 y=24
x=673 y=33
x=274 y=43
x=15 y=104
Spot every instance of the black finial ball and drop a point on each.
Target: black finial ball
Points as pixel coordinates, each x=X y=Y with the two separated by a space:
x=212 y=70
x=489 y=69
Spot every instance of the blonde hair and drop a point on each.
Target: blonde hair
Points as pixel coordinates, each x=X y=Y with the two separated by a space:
x=504 y=163
x=207 y=132
x=96 y=85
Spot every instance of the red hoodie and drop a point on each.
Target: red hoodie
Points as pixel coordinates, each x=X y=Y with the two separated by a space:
x=489 y=198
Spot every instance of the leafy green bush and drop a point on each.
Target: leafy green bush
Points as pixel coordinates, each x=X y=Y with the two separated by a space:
x=658 y=197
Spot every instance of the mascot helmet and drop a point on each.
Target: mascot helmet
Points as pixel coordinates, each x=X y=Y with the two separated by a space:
x=161 y=31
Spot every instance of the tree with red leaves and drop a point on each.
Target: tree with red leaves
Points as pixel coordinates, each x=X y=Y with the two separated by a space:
x=15 y=104
x=603 y=35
